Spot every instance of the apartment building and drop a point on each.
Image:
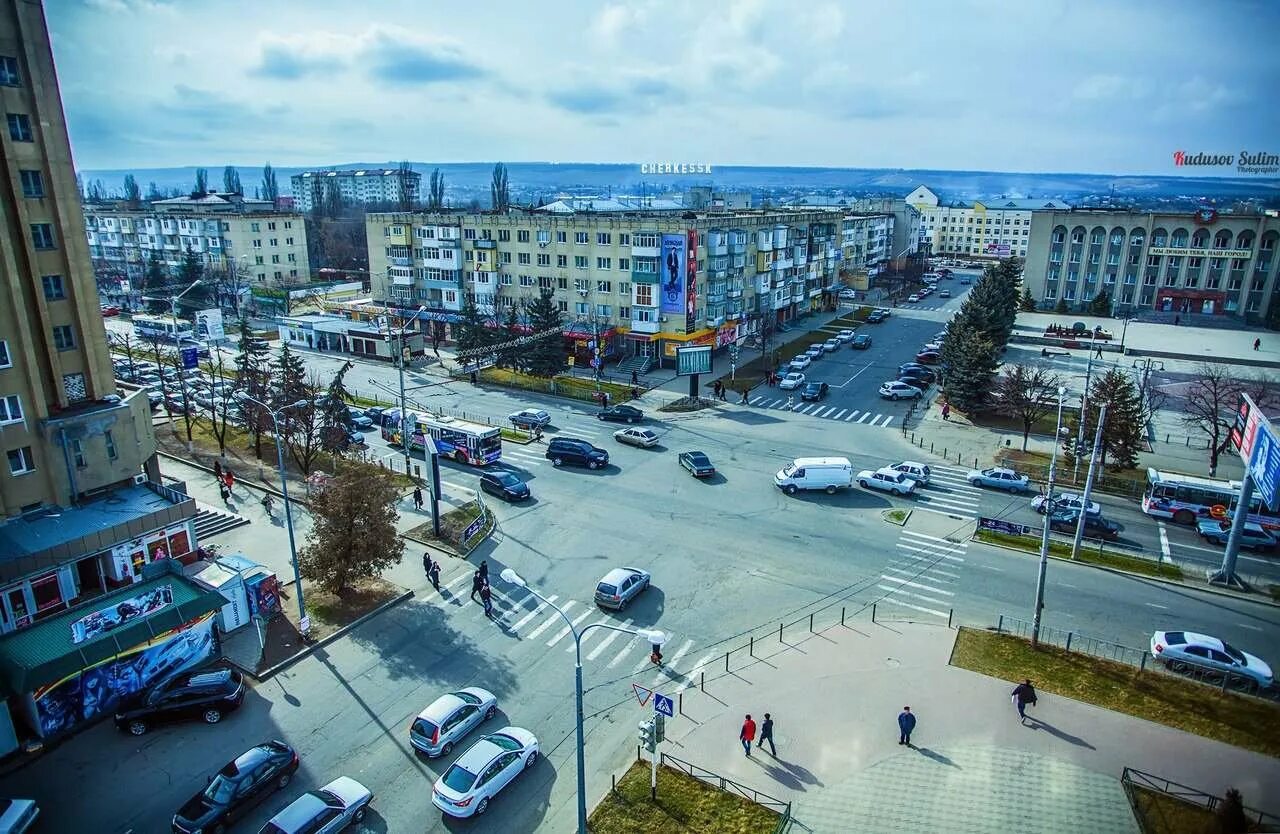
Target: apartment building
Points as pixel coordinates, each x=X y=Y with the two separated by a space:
x=1180 y=263
x=268 y=246
x=383 y=185
x=908 y=223
x=997 y=228
x=866 y=242
x=645 y=281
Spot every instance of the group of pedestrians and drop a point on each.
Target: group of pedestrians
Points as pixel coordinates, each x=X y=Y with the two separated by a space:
x=1023 y=696
x=226 y=481
x=748 y=734
x=432 y=568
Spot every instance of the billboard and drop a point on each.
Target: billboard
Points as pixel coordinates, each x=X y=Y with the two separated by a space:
x=691 y=283
x=693 y=360
x=99 y=622
x=209 y=325
x=672 y=265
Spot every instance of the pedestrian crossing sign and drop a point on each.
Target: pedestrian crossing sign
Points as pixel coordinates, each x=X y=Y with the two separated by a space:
x=642 y=694
x=663 y=705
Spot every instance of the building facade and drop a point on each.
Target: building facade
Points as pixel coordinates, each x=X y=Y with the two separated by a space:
x=908 y=223
x=999 y=228
x=1188 y=263
x=390 y=185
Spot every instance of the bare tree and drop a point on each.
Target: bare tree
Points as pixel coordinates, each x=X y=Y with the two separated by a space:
x=216 y=391
x=1027 y=393
x=302 y=427
x=128 y=345
x=1211 y=400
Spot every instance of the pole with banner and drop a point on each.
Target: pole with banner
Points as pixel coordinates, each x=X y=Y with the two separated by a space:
x=1256 y=441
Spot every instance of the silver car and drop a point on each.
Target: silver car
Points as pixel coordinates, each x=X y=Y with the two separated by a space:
x=328 y=810
x=1180 y=650
x=450 y=717
x=619 y=586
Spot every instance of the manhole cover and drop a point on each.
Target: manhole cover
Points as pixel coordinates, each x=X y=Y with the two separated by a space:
x=892 y=662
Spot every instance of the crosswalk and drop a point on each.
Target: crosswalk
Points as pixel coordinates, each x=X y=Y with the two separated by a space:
x=949 y=494
x=581 y=427
x=821 y=410
x=921 y=574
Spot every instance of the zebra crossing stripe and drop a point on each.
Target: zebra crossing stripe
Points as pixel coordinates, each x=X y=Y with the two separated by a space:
x=886 y=422
x=865 y=416
x=838 y=416
x=661 y=676
x=552 y=620
x=693 y=673
x=535 y=612
x=852 y=414
x=599 y=648
x=755 y=400
x=560 y=635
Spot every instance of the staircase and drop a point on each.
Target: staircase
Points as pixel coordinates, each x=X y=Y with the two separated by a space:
x=639 y=364
x=211 y=522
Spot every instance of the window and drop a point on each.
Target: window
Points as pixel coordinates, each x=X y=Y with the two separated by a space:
x=42 y=235
x=624 y=239
x=486 y=234
x=275 y=259
x=624 y=312
x=522 y=236
x=10 y=408
x=544 y=283
x=63 y=337
x=523 y=258
x=274 y=241
x=19 y=127
x=604 y=238
x=468 y=234
x=603 y=310
x=580 y=237
x=624 y=288
x=604 y=286
x=604 y=263
x=562 y=283
x=526 y=280
x=644 y=295
x=504 y=257
x=8 y=71
x=581 y=307
x=504 y=279
x=271 y=227
x=293 y=258
x=562 y=260
x=504 y=235
x=580 y=261
x=257 y=259
x=278 y=275
x=624 y=263
x=5 y=361
x=562 y=237
x=544 y=260
x=47 y=594
x=112 y=454
x=32 y=184
x=544 y=236
x=255 y=227
x=77 y=454
x=53 y=290
x=257 y=243
x=562 y=306
x=21 y=461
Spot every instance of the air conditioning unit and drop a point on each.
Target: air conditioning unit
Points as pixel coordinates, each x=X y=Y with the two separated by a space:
x=140 y=478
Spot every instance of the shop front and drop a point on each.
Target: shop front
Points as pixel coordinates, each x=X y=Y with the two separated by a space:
x=1191 y=302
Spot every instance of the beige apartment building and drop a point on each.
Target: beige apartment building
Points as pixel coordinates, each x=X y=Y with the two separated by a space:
x=997 y=228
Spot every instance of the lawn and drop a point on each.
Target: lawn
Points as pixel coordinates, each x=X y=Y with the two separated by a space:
x=330 y=612
x=898 y=517
x=684 y=804
x=564 y=385
x=1161 y=813
x=1250 y=723
x=452 y=526
x=1089 y=554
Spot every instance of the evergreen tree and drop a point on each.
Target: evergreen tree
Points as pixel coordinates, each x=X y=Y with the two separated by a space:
x=472 y=328
x=288 y=379
x=1061 y=306
x=1123 y=432
x=270 y=190
x=155 y=286
x=435 y=197
x=1028 y=304
x=1100 y=305
x=231 y=180
x=132 y=194
x=335 y=417
x=253 y=374
x=202 y=182
x=511 y=357
x=153 y=192
x=969 y=358
x=545 y=357
x=499 y=193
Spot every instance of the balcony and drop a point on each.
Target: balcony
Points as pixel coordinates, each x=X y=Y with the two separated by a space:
x=484 y=244
x=638 y=326
x=400 y=261
x=644 y=252
x=783 y=263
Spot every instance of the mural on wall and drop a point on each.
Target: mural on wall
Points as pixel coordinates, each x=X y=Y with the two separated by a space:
x=103 y=620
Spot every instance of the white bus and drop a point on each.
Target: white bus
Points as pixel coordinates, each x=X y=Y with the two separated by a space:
x=163 y=327
x=1187 y=499
x=460 y=440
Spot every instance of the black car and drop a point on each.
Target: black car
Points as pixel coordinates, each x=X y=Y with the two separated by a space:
x=860 y=342
x=1095 y=526
x=919 y=372
x=915 y=382
x=875 y=317
x=205 y=695
x=375 y=413
x=698 y=464
x=621 y=414
x=814 y=391
x=505 y=485
x=562 y=450
x=237 y=787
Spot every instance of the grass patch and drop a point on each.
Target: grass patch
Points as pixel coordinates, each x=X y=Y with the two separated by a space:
x=452 y=526
x=1089 y=554
x=688 y=404
x=684 y=804
x=1250 y=723
x=515 y=435
x=1129 y=483
x=1160 y=813
x=564 y=385
x=898 y=517
x=330 y=612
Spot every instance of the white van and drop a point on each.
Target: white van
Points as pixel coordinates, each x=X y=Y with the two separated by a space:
x=815 y=473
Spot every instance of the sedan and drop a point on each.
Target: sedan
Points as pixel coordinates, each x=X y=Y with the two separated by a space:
x=329 y=809
x=928 y=357
x=1095 y=526
x=506 y=485
x=914 y=367
x=944 y=294
x=914 y=298
x=1180 y=650
x=831 y=345
x=814 y=391
x=1253 y=535
x=919 y=375
x=887 y=479
x=490 y=764
x=935 y=345
x=619 y=586
x=109 y=310
x=860 y=342
x=698 y=464
x=792 y=381
x=800 y=363
x=239 y=785
x=815 y=352
x=644 y=438
x=875 y=317
x=529 y=418
x=998 y=478
x=844 y=337
x=1065 y=501
x=899 y=391
x=621 y=414
x=450 y=717
x=359 y=419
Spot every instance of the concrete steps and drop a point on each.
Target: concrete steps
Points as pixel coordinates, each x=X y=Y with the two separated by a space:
x=211 y=522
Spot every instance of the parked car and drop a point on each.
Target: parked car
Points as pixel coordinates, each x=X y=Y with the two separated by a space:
x=916 y=471
x=205 y=695
x=800 y=362
x=17 y=815
x=928 y=357
x=487 y=767
x=447 y=719
x=814 y=391
x=698 y=464
x=505 y=484
x=888 y=480
x=860 y=342
x=791 y=381
x=844 y=337
x=619 y=586
x=831 y=345
x=895 y=390
x=109 y=310
x=644 y=438
x=1095 y=526
x=1253 y=536
x=376 y=413
x=918 y=371
x=239 y=785
x=621 y=414
x=562 y=450
x=915 y=382
x=529 y=418
x=1181 y=650
x=935 y=345
x=328 y=810
x=827 y=474
x=815 y=352
x=884 y=312
x=999 y=478
x=965 y=280
x=914 y=298
x=1065 y=501
x=358 y=418
x=944 y=293
x=849 y=293
x=875 y=317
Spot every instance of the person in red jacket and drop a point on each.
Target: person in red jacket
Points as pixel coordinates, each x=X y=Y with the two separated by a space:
x=747 y=735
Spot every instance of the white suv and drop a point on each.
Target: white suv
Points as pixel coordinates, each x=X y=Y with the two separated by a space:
x=899 y=391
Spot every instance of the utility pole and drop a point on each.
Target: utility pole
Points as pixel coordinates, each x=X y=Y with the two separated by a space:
x=1088 y=482
x=1084 y=404
x=1044 y=533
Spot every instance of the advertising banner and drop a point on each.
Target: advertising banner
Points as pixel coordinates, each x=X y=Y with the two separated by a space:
x=209 y=325
x=693 y=360
x=672 y=266
x=997 y=525
x=691 y=283
x=99 y=622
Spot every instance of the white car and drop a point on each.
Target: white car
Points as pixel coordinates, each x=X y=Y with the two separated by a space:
x=1180 y=650
x=1065 y=501
x=845 y=337
x=913 y=298
x=831 y=345
x=849 y=293
x=330 y=809
x=999 y=479
x=916 y=471
x=931 y=346
x=644 y=438
x=800 y=363
x=487 y=767
x=815 y=352
x=899 y=391
x=887 y=479
x=792 y=381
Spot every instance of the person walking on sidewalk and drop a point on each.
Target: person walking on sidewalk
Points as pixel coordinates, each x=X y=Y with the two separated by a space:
x=426 y=562
x=744 y=400
x=635 y=378
x=476 y=584
x=417 y=498
x=766 y=734
x=723 y=389
x=486 y=596
x=946 y=411
x=484 y=571
x=1257 y=343
x=217 y=471
x=747 y=734
x=906 y=723
x=230 y=480
x=225 y=493
x=434 y=575
x=1023 y=694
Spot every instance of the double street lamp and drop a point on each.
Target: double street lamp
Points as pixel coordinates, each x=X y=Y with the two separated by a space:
x=655 y=638
x=1044 y=533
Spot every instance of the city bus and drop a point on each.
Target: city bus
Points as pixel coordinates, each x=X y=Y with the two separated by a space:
x=163 y=327
x=1187 y=499
x=456 y=439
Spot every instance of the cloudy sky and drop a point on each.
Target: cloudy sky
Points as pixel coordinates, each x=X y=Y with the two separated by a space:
x=1038 y=85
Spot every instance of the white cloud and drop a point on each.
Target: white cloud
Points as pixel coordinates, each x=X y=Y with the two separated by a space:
x=613 y=21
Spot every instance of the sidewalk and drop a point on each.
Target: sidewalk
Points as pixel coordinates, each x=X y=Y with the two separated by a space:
x=972 y=766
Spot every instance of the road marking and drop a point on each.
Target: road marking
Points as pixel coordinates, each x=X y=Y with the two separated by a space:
x=886 y=422
x=951 y=514
x=617 y=658
x=934 y=553
x=1250 y=627
x=804 y=409
x=852 y=414
x=1157 y=605
x=902 y=604
x=954 y=503
x=1164 y=543
x=550 y=621
x=841 y=414
x=527 y=617
x=755 y=400
x=693 y=673
x=948 y=542
x=560 y=635
x=919 y=585
x=775 y=403
x=609 y=638
x=916 y=570
x=897 y=592
x=449 y=586
x=827 y=412
x=863 y=420
x=662 y=675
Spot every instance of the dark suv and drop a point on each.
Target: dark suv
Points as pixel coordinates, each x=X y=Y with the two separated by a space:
x=563 y=450
x=206 y=695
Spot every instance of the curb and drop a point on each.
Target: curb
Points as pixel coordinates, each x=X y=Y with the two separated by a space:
x=445 y=549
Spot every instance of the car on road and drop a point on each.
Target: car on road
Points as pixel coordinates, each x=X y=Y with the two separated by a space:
x=1065 y=501
x=800 y=362
x=376 y=414
x=504 y=484
x=619 y=586
x=206 y=696
x=1253 y=536
x=488 y=766
x=792 y=381
x=831 y=345
x=875 y=317
x=621 y=414
x=238 y=785
x=914 y=298
x=447 y=719
x=828 y=474
x=849 y=293
x=965 y=280
x=109 y=310
x=644 y=438
x=562 y=450
x=884 y=312
x=914 y=382
x=814 y=391
x=916 y=471
x=815 y=352
x=944 y=293
x=860 y=342
x=924 y=375
x=327 y=810
x=17 y=815
x=894 y=390
x=1183 y=650
x=929 y=357
x=844 y=337
x=529 y=418
x=1095 y=526
x=698 y=464
x=935 y=345
x=359 y=419
x=888 y=480
x=999 y=478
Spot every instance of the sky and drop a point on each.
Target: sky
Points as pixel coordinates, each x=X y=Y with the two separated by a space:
x=1096 y=86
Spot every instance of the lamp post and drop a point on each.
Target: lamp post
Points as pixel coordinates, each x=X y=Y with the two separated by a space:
x=1084 y=403
x=400 y=361
x=284 y=491
x=654 y=636
x=1044 y=533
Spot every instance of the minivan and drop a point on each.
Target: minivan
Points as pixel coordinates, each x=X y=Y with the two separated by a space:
x=829 y=474
x=563 y=450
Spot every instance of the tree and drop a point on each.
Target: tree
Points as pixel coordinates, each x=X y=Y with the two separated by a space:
x=253 y=374
x=1100 y=305
x=968 y=360
x=435 y=197
x=231 y=180
x=153 y=192
x=405 y=197
x=221 y=403
x=1027 y=394
x=1230 y=813
x=132 y=194
x=202 y=182
x=546 y=356
x=1028 y=304
x=510 y=330
x=1061 y=306
x=472 y=328
x=335 y=418
x=500 y=195
x=270 y=190
x=353 y=535
x=155 y=285
x=333 y=200
x=299 y=425
x=1210 y=403
x=1122 y=433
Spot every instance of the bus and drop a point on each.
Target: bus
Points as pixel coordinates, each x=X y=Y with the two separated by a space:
x=456 y=439
x=163 y=327
x=1188 y=499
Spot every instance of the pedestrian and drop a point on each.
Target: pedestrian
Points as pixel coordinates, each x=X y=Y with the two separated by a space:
x=906 y=723
x=1097 y=354
x=426 y=562
x=1023 y=694
x=946 y=411
x=635 y=393
x=230 y=479
x=766 y=734
x=745 y=391
x=226 y=495
x=715 y=389
x=486 y=596
x=476 y=584
x=655 y=656
x=1257 y=343
x=747 y=734
x=217 y=471
x=1177 y=320
x=791 y=401
x=434 y=576
x=417 y=498
x=724 y=389
x=484 y=571
x=635 y=378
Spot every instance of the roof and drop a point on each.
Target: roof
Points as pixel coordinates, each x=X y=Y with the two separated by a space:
x=46 y=653
x=36 y=534
x=1024 y=204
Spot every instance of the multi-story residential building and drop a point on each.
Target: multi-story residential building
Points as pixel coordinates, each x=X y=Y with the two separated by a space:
x=908 y=223
x=997 y=228
x=866 y=242
x=1197 y=263
x=390 y=185
x=647 y=282
x=267 y=246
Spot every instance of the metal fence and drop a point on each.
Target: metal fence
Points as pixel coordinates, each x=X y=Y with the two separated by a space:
x=1064 y=477
x=782 y=808
x=1133 y=780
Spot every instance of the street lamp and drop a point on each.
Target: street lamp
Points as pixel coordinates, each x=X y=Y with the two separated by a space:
x=284 y=491
x=654 y=636
x=400 y=360
x=1044 y=533
x=595 y=337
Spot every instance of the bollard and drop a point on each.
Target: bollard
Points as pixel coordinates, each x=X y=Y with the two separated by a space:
x=1142 y=664
x=957 y=458
x=930 y=447
x=751 y=647
x=842 y=615
x=702 y=681
x=726 y=661
x=913 y=437
x=951 y=612
x=873 y=612
x=779 y=632
x=680 y=702
x=811 y=624
x=1000 y=624
x=944 y=452
x=1069 y=634
x=614 y=778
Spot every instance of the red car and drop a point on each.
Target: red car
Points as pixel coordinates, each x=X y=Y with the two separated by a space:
x=928 y=357
x=109 y=310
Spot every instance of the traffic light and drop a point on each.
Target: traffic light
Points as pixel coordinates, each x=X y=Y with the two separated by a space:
x=660 y=727
x=647 y=735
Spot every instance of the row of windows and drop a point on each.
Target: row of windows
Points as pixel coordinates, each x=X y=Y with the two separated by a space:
x=257 y=242
x=22 y=460
x=544 y=236
x=271 y=227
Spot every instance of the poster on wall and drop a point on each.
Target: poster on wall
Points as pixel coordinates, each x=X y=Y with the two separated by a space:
x=672 y=265
x=98 y=623
x=691 y=283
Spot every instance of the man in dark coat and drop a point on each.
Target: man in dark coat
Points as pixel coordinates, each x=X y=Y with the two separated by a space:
x=906 y=723
x=476 y=584
x=1023 y=694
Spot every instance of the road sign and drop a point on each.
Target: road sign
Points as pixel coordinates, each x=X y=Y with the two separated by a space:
x=190 y=357
x=642 y=694
x=664 y=705
x=472 y=529
x=1265 y=465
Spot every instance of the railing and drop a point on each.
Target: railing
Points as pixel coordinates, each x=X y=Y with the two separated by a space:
x=782 y=808
x=1132 y=780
